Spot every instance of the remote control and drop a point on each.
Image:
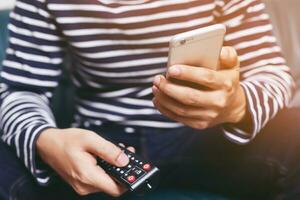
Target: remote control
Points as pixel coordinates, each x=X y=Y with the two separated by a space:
x=138 y=176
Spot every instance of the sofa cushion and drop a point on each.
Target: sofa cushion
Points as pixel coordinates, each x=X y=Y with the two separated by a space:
x=4 y=15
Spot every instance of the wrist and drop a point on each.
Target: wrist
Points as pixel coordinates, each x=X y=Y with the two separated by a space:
x=239 y=105
x=47 y=142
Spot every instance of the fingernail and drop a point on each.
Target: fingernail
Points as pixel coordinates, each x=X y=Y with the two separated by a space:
x=174 y=71
x=121 y=145
x=122 y=160
x=157 y=80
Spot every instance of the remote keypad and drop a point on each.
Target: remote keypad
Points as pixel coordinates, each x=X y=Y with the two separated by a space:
x=136 y=175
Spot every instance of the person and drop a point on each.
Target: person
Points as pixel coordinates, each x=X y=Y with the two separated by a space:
x=118 y=53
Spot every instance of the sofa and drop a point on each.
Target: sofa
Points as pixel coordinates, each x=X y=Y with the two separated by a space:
x=3 y=32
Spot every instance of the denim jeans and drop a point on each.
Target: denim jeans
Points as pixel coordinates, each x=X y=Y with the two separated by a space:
x=194 y=164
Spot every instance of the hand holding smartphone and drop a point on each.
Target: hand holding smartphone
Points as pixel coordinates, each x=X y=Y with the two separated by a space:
x=202 y=87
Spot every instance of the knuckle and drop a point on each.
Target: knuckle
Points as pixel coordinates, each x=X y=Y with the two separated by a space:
x=210 y=116
x=192 y=99
x=115 y=194
x=166 y=89
x=73 y=175
x=221 y=103
x=213 y=115
x=198 y=126
x=180 y=111
x=79 y=190
x=205 y=125
x=71 y=130
x=83 y=177
x=228 y=85
x=83 y=192
x=103 y=148
x=209 y=77
x=78 y=131
x=106 y=147
x=87 y=136
x=90 y=134
x=201 y=125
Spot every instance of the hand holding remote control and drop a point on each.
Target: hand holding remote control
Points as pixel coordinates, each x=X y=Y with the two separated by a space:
x=72 y=154
x=138 y=176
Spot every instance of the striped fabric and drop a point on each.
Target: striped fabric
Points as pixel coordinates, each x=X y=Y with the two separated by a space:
x=117 y=47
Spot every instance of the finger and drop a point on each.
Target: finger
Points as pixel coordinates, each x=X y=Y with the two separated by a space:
x=197 y=124
x=184 y=110
x=83 y=189
x=106 y=150
x=198 y=75
x=122 y=145
x=189 y=96
x=132 y=149
x=78 y=185
x=229 y=58
x=101 y=180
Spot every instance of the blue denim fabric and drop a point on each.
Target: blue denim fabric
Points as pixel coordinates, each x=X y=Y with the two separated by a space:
x=16 y=183
x=194 y=164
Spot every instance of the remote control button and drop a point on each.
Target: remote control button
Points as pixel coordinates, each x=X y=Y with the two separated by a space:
x=118 y=169
x=132 y=158
x=129 y=166
x=131 y=179
x=122 y=172
x=141 y=163
x=147 y=167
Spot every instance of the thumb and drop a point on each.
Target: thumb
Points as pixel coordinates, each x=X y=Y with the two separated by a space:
x=106 y=150
x=229 y=58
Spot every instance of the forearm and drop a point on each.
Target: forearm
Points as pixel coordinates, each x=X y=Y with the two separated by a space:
x=265 y=77
x=266 y=94
x=24 y=116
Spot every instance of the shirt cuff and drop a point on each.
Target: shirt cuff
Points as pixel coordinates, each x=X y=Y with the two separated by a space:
x=246 y=130
x=40 y=170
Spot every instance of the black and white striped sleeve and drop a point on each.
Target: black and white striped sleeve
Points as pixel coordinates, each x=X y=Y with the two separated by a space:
x=30 y=72
x=265 y=77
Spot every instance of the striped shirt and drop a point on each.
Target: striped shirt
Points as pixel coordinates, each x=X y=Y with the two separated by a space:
x=116 y=48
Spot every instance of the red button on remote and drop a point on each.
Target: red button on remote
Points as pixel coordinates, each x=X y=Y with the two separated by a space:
x=147 y=167
x=131 y=179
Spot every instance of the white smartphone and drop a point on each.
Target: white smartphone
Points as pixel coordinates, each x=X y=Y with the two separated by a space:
x=200 y=47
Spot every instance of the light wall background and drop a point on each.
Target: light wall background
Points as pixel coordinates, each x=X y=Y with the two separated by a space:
x=6 y=4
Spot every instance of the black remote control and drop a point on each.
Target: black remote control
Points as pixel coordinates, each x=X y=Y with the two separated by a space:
x=138 y=176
